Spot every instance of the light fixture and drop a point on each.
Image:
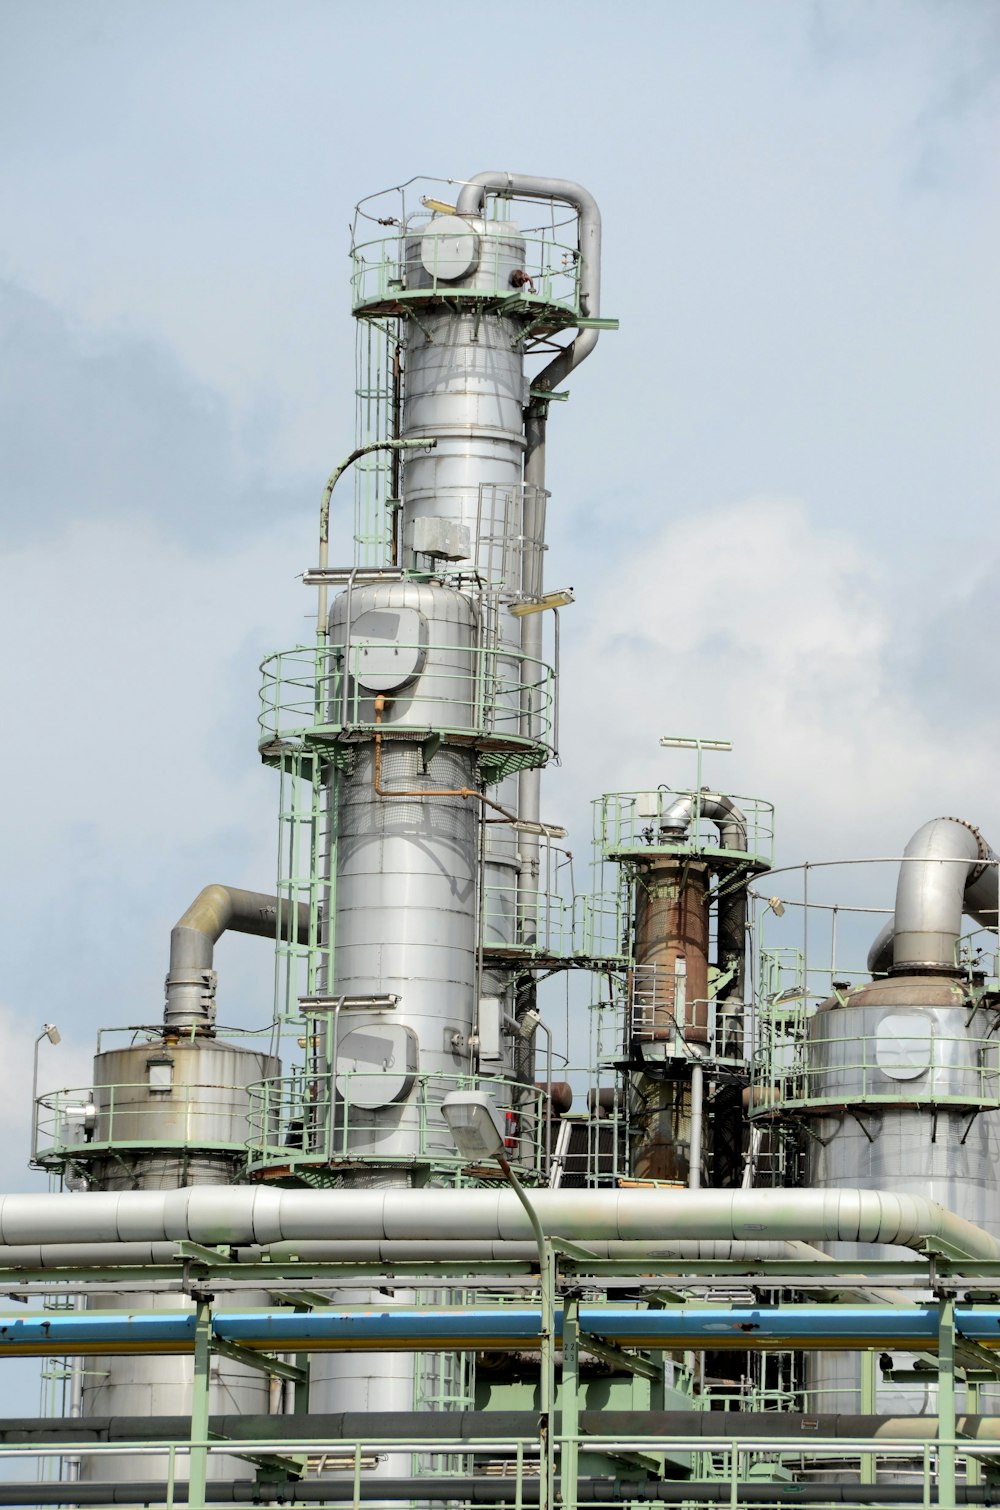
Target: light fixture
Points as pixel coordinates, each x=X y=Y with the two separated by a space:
x=543 y=830
x=437 y=205
x=561 y=599
x=52 y=1033
x=777 y=906
x=474 y=1123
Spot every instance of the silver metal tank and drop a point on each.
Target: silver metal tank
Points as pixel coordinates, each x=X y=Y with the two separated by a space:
x=176 y=1114
x=417 y=875
x=466 y=388
x=187 y=1092
x=406 y=892
x=901 y=1086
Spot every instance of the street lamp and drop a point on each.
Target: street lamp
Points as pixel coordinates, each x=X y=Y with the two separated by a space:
x=52 y=1033
x=478 y=1131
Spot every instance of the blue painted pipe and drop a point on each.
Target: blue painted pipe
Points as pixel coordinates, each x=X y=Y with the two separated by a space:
x=749 y=1327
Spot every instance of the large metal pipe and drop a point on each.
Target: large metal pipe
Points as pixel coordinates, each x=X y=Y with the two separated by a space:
x=471 y=201
x=190 y=983
x=82 y=1255
x=826 y=1326
x=430 y=1426
x=527 y=186
x=243 y=1214
x=496 y=1490
x=948 y=870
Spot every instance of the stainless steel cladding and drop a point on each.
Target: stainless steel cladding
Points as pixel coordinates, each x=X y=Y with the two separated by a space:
x=173 y=1113
x=190 y=1093
x=406 y=892
x=903 y=1076
x=948 y=868
x=415 y=645
x=465 y=387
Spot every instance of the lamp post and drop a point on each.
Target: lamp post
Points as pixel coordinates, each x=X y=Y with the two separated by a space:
x=478 y=1132
x=52 y=1033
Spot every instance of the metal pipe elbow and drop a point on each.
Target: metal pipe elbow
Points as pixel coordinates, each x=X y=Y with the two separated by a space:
x=190 y=988
x=471 y=200
x=948 y=871
x=718 y=808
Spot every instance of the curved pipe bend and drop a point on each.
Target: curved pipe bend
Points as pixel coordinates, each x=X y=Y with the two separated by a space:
x=217 y=908
x=948 y=870
x=717 y=808
x=471 y=200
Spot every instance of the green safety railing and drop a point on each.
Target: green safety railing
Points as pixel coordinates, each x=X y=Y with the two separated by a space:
x=481 y=694
x=83 y=1122
x=389 y=269
x=627 y=826
x=809 y=1069
x=313 y=1117
x=730 y=1462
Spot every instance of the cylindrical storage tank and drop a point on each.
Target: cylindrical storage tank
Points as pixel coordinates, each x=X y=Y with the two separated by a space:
x=901 y=1090
x=189 y=1092
x=176 y=1114
x=406 y=885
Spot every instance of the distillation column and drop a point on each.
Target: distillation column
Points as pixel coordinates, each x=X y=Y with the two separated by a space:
x=438 y=701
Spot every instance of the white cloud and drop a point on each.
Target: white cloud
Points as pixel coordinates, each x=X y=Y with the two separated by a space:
x=753 y=623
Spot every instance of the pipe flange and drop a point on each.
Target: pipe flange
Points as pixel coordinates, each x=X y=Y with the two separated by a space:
x=984 y=849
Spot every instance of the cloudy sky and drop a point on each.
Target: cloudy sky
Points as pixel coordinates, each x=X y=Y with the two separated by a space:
x=774 y=490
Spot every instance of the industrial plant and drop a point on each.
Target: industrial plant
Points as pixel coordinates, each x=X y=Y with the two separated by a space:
x=670 y=1179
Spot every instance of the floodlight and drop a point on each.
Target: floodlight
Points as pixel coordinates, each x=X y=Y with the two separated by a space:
x=561 y=599
x=52 y=1033
x=474 y=1123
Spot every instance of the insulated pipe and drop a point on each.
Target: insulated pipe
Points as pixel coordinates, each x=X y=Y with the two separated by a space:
x=82 y=1255
x=190 y=988
x=827 y=1326
x=243 y=1214
x=430 y=1426
x=697 y=1107
x=717 y=807
x=948 y=869
x=471 y=201
x=493 y=1490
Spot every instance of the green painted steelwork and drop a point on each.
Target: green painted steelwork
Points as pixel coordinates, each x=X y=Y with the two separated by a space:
x=295 y=1122
x=312 y=696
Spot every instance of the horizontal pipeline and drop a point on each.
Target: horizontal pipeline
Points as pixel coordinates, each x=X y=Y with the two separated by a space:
x=78 y=1432
x=495 y=1328
x=237 y=1215
x=494 y=1491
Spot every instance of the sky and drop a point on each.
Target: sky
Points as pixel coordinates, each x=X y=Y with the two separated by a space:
x=774 y=489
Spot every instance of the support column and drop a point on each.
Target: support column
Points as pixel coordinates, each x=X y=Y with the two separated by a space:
x=569 y=1434
x=198 y=1470
x=868 y=1376
x=946 y=1402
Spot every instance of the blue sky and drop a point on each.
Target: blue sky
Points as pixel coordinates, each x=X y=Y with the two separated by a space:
x=774 y=489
